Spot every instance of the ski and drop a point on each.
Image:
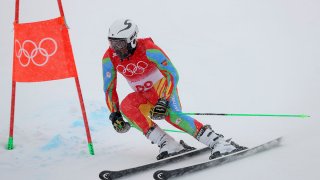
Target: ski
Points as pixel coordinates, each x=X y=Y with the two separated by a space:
x=166 y=174
x=108 y=175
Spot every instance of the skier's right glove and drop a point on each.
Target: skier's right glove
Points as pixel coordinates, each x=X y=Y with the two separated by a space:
x=118 y=123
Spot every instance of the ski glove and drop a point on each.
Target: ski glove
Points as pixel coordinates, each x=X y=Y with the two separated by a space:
x=118 y=123
x=159 y=111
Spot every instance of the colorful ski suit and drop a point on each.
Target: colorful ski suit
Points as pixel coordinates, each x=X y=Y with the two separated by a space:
x=151 y=75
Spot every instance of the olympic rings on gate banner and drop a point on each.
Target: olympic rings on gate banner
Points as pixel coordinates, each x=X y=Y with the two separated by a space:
x=132 y=69
x=36 y=49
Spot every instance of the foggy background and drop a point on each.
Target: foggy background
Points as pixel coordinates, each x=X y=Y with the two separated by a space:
x=233 y=56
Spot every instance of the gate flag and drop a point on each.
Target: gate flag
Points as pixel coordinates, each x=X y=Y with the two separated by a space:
x=42 y=51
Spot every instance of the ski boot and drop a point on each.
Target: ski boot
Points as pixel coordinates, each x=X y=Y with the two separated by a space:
x=168 y=146
x=220 y=146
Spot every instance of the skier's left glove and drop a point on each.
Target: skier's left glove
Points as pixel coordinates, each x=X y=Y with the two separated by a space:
x=118 y=123
x=159 y=111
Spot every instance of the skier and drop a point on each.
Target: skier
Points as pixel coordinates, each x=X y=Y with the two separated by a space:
x=154 y=80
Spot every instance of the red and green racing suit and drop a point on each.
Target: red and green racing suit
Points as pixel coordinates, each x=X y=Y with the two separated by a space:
x=151 y=75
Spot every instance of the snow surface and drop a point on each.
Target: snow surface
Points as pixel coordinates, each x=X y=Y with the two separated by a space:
x=234 y=56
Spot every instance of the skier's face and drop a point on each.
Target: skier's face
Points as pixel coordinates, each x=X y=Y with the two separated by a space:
x=120 y=47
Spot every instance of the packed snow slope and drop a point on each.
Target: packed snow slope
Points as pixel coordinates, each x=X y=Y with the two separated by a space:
x=233 y=56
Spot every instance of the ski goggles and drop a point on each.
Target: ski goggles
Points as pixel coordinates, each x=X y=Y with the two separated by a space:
x=118 y=44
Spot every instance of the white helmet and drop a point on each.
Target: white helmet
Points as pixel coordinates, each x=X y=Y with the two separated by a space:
x=123 y=37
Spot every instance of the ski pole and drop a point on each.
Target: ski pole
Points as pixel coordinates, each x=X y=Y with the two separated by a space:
x=225 y=114
x=244 y=115
x=167 y=130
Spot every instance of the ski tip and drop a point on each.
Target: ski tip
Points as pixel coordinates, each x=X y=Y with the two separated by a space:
x=279 y=139
x=105 y=175
x=160 y=175
x=275 y=142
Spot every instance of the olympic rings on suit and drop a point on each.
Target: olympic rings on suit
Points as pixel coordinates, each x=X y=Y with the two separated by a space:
x=132 y=69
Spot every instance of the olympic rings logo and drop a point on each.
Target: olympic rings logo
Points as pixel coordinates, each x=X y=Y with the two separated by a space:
x=36 y=49
x=132 y=69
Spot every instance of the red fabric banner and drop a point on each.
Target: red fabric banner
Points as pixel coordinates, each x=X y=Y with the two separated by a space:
x=42 y=51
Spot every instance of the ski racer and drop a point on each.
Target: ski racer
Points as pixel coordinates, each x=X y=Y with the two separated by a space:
x=154 y=80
